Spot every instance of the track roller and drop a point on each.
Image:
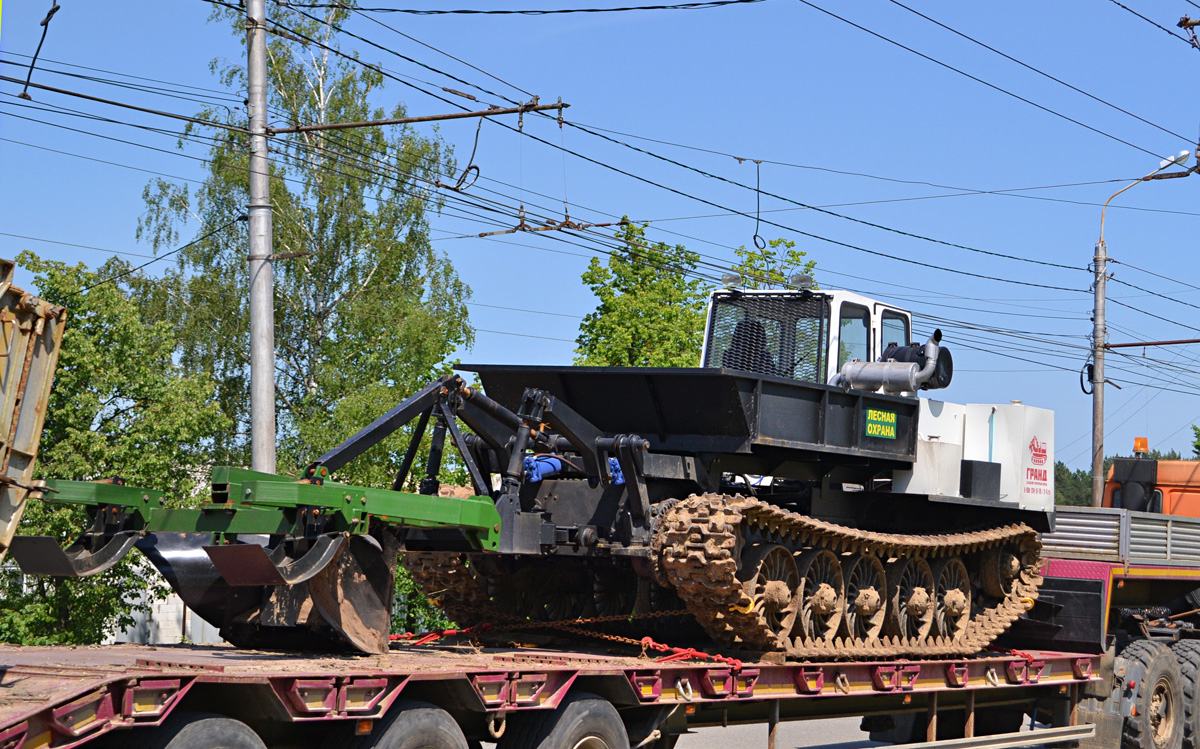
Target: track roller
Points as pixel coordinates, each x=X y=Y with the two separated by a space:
x=822 y=594
x=951 y=598
x=866 y=586
x=770 y=577
x=910 y=599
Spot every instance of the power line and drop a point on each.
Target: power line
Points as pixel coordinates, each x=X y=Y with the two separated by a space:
x=651 y=182
x=440 y=52
x=1038 y=71
x=1153 y=23
x=163 y=256
x=101 y=161
x=185 y=118
x=126 y=75
x=543 y=12
x=977 y=79
x=826 y=211
x=1151 y=314
x=157 y=90
x=699 y=171
x=961 y=191
x=72 y=244
x=1156 y=275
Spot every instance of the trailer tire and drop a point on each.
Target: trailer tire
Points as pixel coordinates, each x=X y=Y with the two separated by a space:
x=415 y=725
x=1156 y=718
x=581 y=719
x=1187 y=654
x=196 y=731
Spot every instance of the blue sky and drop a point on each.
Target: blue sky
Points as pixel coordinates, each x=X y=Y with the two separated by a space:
x=778 y=81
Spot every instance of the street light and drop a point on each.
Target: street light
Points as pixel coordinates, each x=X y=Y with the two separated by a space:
x=1099 y=331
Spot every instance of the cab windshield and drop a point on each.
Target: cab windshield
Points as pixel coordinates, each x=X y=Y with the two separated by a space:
x=774 y=334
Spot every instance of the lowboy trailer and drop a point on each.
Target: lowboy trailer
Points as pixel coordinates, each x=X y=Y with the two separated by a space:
x=186 y=697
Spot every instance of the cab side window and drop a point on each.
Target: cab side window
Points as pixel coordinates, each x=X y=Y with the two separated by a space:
x=894 y=328
x=854 y=334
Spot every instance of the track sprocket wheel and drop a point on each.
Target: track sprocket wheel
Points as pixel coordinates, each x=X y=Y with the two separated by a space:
x=910 y=599
x=999 y=566
x=770 y=577
x=952 y=597
x=822 y=594
x=866 y=606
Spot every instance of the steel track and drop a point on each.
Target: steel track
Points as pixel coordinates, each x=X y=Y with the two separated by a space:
x=696 y=550
x=702 y=536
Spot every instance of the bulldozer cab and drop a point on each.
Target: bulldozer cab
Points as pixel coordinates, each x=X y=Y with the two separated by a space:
x=801 y=335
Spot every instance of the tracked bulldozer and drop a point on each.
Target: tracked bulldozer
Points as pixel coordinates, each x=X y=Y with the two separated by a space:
x=793 y=494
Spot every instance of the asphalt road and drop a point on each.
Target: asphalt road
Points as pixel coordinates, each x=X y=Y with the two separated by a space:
x=836 y=733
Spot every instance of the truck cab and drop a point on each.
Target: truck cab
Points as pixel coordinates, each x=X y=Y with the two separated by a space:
x=1169 y=487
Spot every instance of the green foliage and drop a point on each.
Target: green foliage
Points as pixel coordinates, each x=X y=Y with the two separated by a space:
x=366 y=310
x=1073 y=488
x=1196 y=441
x=120 y=406
x=773 y=266
x=651 y=308
x=412 y=611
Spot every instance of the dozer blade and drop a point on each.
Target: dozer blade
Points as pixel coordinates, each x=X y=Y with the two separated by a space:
x=354 y=594
x=41 y=555
x=250 y=564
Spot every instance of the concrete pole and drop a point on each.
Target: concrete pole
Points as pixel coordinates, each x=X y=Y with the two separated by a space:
x=262 y=280
x=1099 y=338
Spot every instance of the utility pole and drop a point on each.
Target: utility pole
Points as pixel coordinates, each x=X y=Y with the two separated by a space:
x=1100 y=331
x=1099 y=344
x=262 y=279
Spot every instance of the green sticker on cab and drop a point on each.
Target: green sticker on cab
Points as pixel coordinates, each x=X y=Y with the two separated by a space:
x=881 y=424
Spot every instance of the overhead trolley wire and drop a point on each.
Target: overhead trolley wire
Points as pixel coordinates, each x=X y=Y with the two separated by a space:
x=111 y=102
x=223 y=92
x=691 y=168
x=825 y=210
x=694 y=197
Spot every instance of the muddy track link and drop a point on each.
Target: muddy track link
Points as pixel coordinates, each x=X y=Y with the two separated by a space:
x=701 y=537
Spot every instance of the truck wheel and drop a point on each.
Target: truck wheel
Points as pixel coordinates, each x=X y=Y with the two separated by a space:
x=1187 y=655
x=1156 y=716
x=415 y=725
x=582 y=721
x=196 y=731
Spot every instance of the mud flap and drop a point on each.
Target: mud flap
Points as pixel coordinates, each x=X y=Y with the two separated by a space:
x=41 y=555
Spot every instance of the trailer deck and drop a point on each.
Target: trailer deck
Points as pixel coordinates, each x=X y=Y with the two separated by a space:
x=61 y=697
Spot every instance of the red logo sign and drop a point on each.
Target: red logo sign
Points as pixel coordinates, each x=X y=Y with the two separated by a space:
x=1037 y=452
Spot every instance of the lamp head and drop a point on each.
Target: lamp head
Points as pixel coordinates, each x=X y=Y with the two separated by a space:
x=1179 y=160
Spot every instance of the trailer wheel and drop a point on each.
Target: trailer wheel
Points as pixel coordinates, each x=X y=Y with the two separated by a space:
x=1155 y=719
x=196 y=731
x=415 y=725
x=1187 y=655
x=582 y=721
